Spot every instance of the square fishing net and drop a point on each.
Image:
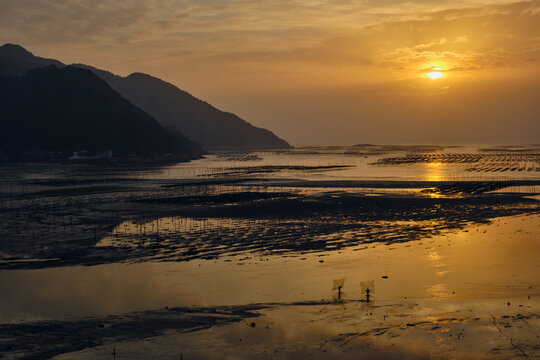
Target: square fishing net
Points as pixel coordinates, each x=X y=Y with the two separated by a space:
x=339 y=283
x=365 y=285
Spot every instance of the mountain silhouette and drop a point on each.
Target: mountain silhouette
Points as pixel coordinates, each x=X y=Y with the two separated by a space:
x=212 y=128
x=170 y=106
x=16 y=60
x=71 y=109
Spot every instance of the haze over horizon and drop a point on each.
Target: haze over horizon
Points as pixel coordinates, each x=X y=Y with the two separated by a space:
x=317 y=72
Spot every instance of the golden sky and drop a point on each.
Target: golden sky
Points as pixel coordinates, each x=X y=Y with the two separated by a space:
x=314 y=71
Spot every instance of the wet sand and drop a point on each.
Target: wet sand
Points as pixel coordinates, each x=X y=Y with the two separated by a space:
x=150 y=221
x=156 y=263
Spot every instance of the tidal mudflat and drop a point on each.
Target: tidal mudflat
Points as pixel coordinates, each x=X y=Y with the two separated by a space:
x=233 y=256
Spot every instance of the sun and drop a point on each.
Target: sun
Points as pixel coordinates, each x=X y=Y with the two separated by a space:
x=435 y=73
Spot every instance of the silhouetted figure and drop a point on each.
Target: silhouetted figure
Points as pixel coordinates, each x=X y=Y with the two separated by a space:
x=338 y=284
x=367 y=295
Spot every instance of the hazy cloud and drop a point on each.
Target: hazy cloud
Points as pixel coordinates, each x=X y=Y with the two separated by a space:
x=235 y=49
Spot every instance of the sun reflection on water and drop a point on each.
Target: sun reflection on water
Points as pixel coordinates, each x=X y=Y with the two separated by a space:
x=439 y=292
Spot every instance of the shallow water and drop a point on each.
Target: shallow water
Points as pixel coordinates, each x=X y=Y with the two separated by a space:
x=454 y=278
x=365 y=164
x=496 y=261
x=446 y=295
